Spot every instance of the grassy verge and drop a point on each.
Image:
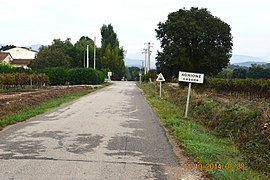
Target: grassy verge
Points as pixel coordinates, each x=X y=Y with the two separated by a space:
x=29 y=112
x=217 y=157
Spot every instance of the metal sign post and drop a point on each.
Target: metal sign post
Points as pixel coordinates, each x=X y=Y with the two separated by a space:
x=160 y=79
x=160 y=88
x=140 y=77
x=188 y=98
x=191 y=78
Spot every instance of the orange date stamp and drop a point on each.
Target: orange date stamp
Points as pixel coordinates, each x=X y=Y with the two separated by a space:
x=214 y=166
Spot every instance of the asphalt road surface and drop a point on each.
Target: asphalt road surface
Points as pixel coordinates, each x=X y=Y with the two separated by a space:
x=108 y=134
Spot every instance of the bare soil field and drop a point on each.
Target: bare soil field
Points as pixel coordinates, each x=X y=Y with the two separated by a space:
x=11 y=102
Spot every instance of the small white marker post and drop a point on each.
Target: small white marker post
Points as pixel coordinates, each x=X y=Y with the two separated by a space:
x=160 y=79
x=191 y=78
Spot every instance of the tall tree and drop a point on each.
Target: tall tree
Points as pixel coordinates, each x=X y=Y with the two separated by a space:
x=240 y=73
x=108 y=36
x=193 y=40
x=111 y=55
x=80 y=49
x=55 y=55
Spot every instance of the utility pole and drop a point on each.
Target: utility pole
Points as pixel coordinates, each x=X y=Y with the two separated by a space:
x=140 y=73
x=84 y=59
x=87 y=57
x=95 y=52
x=149 y=53
x=145 y=52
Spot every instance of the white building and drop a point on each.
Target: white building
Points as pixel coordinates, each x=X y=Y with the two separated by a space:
x=21 y=57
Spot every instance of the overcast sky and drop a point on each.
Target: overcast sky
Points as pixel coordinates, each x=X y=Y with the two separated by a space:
x=27 y=22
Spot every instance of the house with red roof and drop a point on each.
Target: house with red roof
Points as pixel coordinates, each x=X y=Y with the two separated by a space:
x=5 y=57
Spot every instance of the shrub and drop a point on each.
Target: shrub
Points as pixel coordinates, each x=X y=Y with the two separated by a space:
x=78 y=76
x=61 y=76
x=57 y=76
x=151 y=75
x=8 y=68
x=85 y=76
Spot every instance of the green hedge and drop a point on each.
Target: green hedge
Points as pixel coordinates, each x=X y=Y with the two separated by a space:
x=8 y=68
x=57 y=76
x=85 y=76
x=61 y=76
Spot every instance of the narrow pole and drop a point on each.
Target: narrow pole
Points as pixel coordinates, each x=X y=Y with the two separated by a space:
x=145 y=57
x=160 y=88
x=95 y=52
x=84 y=59
x=188 y=98
x=145 y=64
x=87 y=57
x=141 y=72
x=148 y=57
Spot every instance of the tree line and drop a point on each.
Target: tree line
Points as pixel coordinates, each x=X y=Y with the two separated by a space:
x=64 y=54
x=242 y=72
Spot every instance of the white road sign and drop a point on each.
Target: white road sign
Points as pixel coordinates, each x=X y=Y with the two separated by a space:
x=109 y=73
x=160 y=78
x=191 y=77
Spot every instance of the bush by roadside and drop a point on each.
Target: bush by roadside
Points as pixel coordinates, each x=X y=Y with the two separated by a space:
x=62 y=76
x=8 y=68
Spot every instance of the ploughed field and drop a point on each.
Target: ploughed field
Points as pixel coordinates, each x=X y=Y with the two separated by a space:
x=11 y=102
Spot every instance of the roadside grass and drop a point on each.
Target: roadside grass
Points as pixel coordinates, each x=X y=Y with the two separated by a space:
x=215 y=157
x=29 y=112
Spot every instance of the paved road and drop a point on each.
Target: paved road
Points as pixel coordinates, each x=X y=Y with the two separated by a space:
x=109 y=134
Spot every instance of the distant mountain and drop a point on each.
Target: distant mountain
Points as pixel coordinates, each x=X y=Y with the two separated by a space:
x=137 y=63
x=241 y=58
x=133 y=62
x=247 y=61
x=135 y=59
